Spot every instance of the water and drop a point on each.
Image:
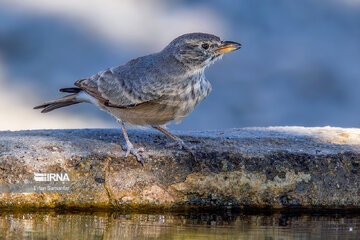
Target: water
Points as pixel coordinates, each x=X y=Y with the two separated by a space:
x=220 y=225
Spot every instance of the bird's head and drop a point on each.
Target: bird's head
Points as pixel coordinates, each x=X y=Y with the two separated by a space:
x=199 y=50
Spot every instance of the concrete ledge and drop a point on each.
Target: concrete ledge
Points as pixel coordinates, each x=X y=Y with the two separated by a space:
x=274 y=167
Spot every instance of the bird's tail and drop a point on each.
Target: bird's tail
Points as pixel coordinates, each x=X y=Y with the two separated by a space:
x=61 y=102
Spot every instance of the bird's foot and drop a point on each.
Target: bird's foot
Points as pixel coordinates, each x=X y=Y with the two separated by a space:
x=179 y=143
x=129 y=148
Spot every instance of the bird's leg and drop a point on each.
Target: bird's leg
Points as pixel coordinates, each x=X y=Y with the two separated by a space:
x=129 y=147
x=178 y=141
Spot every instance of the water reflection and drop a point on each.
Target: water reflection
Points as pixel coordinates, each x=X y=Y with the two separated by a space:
x=225 y=225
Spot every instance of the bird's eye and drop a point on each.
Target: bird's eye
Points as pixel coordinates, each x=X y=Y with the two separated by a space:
x=205 y=46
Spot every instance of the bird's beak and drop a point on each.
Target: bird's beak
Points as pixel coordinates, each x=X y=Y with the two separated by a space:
x=228 y=46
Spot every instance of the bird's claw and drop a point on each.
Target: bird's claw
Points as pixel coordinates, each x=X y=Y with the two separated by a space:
x=181 y=145
x=130 y=149
x=177 y=143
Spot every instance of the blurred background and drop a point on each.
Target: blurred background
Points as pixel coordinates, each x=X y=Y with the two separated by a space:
x=299 y=65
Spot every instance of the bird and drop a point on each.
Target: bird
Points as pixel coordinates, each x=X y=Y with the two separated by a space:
x=151 y=90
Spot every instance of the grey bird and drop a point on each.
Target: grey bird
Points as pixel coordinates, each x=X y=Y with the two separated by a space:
x=152 y=90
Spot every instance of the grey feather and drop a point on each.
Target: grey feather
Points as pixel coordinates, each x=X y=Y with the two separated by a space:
x=59 y=103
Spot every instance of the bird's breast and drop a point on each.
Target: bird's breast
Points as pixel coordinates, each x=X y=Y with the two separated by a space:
x=189 y=95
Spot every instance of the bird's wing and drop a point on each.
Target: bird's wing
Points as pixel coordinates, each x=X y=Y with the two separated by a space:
x=122 y=88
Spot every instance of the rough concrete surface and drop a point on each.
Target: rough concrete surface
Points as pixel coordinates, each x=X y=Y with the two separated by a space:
x=274 y=167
